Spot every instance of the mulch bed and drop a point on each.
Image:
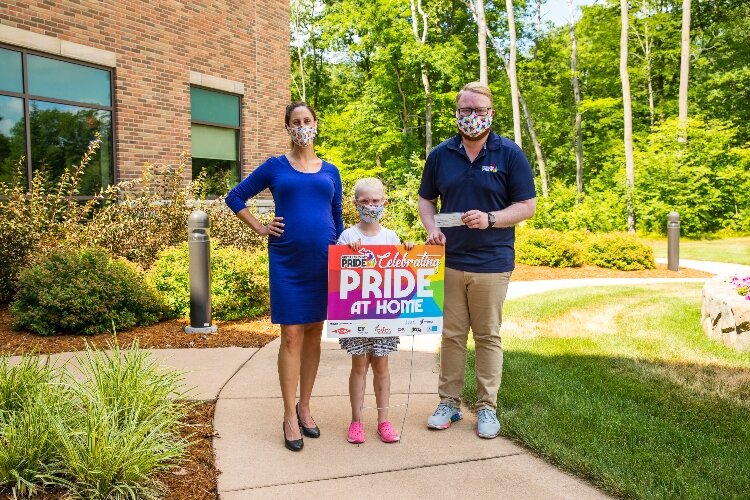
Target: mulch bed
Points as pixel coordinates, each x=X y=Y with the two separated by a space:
x=165 y=335
x=196 y=478
x=529 y=273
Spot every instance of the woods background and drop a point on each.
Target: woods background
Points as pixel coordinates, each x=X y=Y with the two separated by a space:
x=383 y=75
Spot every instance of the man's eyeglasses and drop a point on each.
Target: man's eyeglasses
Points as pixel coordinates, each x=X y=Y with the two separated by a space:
x=476 y=111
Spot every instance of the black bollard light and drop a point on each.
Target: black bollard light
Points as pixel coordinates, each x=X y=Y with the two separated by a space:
x=199 y=252
x=673 y=241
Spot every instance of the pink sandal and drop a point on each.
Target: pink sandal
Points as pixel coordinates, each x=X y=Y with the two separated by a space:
x=356 y=434
x=387 y=433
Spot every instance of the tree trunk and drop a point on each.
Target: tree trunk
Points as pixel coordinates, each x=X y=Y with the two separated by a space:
x=577 y=101
x=404 y=109
x=647 y=44
x=482 y=42
x=427 y=112
x=295 y=13
x=417 y=7
x=537 y=146
x=538 y=22
x=647 y=52
x=684 y=69
x=512 y=74
x=529 y=122
x=627 y=114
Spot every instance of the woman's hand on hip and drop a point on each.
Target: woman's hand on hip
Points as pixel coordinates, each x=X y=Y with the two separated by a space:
x=273 y=228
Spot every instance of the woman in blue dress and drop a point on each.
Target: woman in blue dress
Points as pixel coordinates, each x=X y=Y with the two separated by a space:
x=308 y=217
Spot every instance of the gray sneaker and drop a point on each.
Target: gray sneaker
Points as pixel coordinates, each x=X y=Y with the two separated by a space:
x=488 y=426
x=444 y=416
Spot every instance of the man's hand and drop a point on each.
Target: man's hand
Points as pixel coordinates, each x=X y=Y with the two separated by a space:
x=436 y=237
x=273 y=228
x=356 y=244
x=475 y=219
x=427 y=211
x=408 y=245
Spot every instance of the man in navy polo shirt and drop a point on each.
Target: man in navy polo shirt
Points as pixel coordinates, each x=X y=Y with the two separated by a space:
x=486 y=180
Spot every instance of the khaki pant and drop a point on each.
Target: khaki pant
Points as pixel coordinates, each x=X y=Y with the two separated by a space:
x=472 y=300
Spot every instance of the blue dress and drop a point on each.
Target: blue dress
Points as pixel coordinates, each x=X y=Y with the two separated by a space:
x=310 y=204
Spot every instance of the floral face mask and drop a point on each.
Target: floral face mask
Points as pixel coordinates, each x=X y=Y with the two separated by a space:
x=370 y=213
x=473 y=125
x=303 y=136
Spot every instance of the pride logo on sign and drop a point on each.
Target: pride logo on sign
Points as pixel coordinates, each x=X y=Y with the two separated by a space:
x=369 y=256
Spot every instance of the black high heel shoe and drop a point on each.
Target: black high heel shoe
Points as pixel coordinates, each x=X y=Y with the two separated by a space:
x=311 y=432
x=295 y=445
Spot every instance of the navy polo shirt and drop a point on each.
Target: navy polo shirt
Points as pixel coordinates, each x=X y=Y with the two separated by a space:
x=498 y=176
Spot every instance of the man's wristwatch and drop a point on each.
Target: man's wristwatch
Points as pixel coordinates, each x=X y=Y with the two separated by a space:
x=490 y=220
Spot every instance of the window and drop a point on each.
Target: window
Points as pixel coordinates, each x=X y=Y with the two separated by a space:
x=50 y=110
x=215 y=134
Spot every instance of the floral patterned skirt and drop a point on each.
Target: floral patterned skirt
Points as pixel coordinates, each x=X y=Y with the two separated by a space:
x=378 y=346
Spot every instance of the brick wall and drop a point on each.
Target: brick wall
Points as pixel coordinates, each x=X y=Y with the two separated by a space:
x=157 y=45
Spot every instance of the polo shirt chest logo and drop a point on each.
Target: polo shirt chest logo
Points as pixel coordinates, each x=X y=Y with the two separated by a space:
x=489 y=168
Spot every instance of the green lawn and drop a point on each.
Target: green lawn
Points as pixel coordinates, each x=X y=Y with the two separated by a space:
x=622 y=387
x=735 y=250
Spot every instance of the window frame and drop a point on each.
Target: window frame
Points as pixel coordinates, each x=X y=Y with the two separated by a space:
x=27 y=98
x=219 y=125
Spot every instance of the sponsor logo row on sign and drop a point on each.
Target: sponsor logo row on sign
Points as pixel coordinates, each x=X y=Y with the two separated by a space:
x=386 y=328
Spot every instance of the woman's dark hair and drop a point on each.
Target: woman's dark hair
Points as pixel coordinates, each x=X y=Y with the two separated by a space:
x=291 y=107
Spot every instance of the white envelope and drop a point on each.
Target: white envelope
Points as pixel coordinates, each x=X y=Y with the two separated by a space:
x=448 y=220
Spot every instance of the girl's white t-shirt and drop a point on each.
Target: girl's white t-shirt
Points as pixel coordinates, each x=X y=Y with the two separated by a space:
x=384 y=237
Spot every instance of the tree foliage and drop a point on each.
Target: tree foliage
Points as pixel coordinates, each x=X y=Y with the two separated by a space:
x=362 y=69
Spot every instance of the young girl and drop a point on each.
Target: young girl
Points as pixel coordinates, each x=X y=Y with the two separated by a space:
x=369 y=198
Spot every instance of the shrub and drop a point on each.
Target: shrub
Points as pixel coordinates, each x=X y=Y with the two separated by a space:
x=545 y=247
x=228 y=230
x=32 y=222
x=28 y=395
x=600 y=209
x=239 y=281
x=134 y=219
x=140 y=218
x=102 y=433
x=83 y=292
x=619 y=251
x=125 y=429
x=152 y=214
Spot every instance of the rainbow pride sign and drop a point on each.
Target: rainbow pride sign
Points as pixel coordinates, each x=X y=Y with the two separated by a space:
x=385 y=290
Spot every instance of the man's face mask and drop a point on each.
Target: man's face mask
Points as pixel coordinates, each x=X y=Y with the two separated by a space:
x=473 y=125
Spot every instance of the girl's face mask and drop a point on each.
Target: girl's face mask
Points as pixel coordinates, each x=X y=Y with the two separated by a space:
x=303 y=136
x=473 y=125
x=370 y=213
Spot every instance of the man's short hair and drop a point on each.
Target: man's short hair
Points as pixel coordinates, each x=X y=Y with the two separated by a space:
x=368 y=182
x=477 y=88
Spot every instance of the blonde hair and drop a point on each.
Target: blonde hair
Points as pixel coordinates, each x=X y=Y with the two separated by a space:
x=477 y=88
x=368 y=182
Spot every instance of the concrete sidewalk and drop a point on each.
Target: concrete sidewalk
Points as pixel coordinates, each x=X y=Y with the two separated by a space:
x=426 y=464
